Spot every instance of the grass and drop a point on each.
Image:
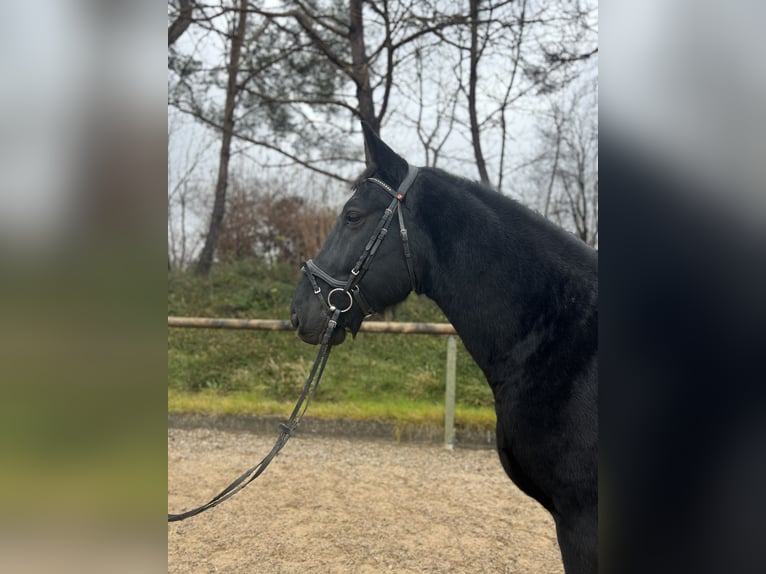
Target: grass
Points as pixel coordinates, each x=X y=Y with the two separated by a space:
x=400 y=412
x=384 y=377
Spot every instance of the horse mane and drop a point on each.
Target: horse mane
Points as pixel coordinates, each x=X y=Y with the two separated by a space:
x=517 y=226
x=460 y=213
x=486 y=247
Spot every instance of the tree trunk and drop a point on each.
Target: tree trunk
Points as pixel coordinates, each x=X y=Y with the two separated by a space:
x=360 y=65
x=205 y=261
x=472 y=81
x=554 y=170
x=180 y=24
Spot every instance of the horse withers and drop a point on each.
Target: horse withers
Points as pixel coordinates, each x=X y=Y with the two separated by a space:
x=522 y=294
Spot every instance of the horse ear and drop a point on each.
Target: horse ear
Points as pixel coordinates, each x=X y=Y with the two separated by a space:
x=378 y=154
x=369 y=137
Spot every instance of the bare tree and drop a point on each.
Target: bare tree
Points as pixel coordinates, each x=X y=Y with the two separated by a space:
x=186 y=193
x=232 y=88
x=579 y=177
x=473 y=79
x=518 y=42
x=570 y=141
x=557 y=117
x=514 y=52
x=370 y=65
x=435 y=119
x=195 y=88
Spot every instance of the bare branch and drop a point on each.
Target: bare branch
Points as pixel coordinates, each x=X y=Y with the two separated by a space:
x=341 y=29
x=305 y=22
x=182 y=22
x=305 y=163
x=555 y=58
x=504 y=106
x=389 y=75
x=455 y=20
x=309 y=100
x=472 y=85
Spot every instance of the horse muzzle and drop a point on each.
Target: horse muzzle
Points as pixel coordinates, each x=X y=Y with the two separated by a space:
x=312 y=331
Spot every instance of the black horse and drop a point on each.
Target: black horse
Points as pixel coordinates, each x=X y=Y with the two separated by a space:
x=522 y=294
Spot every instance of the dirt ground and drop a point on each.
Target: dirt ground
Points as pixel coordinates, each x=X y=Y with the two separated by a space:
x=332 y=505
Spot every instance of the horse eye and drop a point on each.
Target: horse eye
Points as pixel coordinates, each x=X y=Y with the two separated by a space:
x=353 y=217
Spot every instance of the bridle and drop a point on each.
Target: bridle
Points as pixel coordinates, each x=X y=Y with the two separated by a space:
x=349 y=288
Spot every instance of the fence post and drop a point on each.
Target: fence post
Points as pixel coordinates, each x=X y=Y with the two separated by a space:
x=449 y=394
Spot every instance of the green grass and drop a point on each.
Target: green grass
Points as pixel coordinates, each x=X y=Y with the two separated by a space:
x=401 y=412
x=387 y=377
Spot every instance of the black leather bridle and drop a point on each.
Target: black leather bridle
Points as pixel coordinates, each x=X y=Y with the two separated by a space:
x=350 y=286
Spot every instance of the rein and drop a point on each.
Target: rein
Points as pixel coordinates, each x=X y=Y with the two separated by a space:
x=286 y=429
x=349 y=288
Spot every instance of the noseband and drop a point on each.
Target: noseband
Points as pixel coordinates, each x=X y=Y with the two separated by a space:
x=343 y=293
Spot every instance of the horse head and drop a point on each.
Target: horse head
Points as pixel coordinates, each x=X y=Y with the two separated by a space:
x=357 y=270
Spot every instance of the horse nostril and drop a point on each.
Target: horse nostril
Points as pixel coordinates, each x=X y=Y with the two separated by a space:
x=294 y=320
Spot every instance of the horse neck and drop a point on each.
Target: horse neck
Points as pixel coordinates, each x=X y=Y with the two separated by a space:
x=499 y=272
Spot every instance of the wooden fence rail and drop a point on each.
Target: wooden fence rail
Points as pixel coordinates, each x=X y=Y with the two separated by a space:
x=409 y=328
x=277 y=325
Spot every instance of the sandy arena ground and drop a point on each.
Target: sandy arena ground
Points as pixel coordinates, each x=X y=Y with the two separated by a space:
x=351 y=506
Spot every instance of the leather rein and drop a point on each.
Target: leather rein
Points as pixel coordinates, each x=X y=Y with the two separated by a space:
x=349 y=288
